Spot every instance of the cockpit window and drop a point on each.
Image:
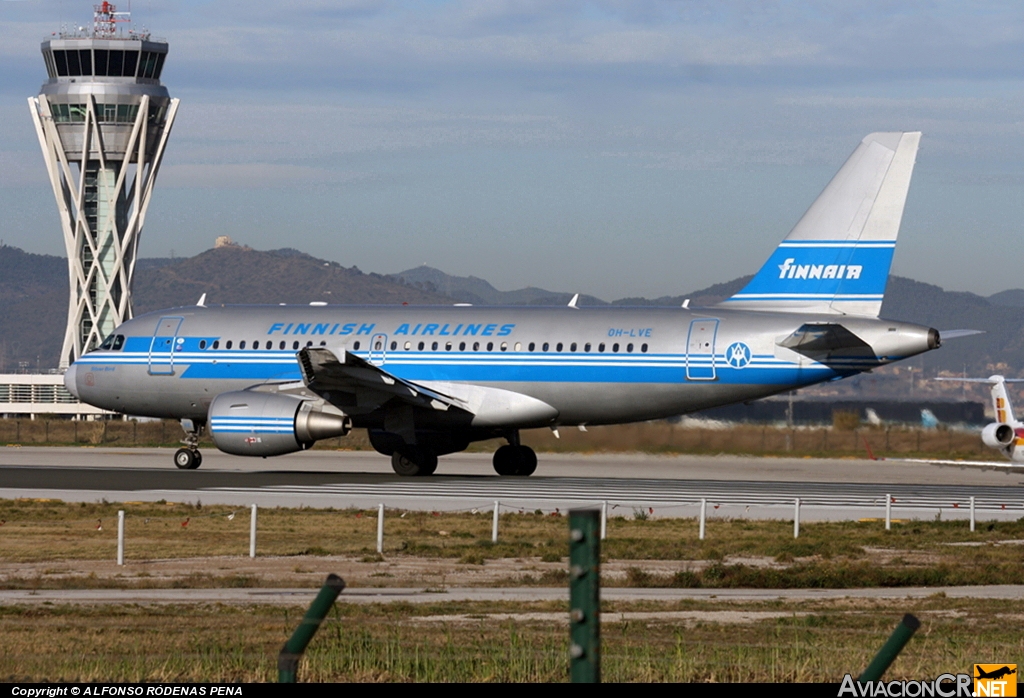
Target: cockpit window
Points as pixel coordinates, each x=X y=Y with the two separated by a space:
x=113 y=343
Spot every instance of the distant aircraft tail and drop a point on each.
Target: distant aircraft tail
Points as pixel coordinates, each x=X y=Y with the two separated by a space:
x=837 y=258
x=1001 y=405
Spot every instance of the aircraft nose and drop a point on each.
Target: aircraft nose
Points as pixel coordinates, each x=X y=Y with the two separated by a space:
x=71 y=380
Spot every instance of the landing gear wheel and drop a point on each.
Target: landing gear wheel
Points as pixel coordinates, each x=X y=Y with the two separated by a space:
x=187 y=459
x=515 y=460
x=413 y=461
x=528 y=462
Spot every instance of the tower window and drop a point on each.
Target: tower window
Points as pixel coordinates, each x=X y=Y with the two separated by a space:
x=61 y=60
x=100 y=55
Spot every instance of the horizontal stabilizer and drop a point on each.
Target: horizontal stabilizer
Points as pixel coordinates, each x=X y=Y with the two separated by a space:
x=827 y=343
x=837 y=258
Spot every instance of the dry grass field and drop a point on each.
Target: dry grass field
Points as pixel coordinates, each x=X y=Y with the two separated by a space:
x=56 y=545
x=685 y=641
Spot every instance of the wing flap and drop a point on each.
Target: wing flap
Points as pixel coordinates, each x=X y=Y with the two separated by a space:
x=323 y=372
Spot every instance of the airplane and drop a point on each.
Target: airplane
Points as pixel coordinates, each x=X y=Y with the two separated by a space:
x=1006 y=434
x=427 y=381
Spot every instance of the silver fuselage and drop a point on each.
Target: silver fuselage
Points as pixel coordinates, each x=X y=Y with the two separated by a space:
x=593 y=365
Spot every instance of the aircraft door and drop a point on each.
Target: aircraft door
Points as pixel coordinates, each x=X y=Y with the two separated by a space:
x=700 y=350
x=163 y=345
x=378 y=349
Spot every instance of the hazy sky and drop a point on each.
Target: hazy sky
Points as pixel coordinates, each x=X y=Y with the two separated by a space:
x=614 y=148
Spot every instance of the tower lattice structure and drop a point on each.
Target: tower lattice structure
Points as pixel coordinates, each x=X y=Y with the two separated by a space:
x=103 y=119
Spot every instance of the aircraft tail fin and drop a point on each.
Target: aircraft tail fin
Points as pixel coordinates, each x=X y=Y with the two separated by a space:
x=1001 y=404
x=837 y=258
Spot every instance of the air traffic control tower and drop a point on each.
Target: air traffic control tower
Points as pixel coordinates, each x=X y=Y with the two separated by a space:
x=103 y=119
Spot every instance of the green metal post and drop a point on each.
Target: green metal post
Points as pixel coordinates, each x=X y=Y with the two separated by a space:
x=291 y=653
x=585 y=596
x=892 y=647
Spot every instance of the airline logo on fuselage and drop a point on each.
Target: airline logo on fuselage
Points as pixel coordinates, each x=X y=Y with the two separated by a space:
x=447 y=329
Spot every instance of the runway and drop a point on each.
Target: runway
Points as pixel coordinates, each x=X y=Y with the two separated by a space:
x=670 y=486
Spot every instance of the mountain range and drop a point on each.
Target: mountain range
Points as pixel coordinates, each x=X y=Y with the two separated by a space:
x=34 y=296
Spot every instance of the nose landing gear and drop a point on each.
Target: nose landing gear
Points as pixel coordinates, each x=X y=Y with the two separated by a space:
x=189 y=458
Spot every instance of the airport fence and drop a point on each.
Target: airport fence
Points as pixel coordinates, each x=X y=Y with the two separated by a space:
x=649 y=437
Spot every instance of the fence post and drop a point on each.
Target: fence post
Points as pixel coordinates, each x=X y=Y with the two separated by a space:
x=494 y=523
x=604 y=519
x=288 y=659
x=121 y=537
x=796 y=518
x=972 y=513
x=252 y=531
x=888 y=512
x=703 y=514
x=584 y=597
x=380 y=529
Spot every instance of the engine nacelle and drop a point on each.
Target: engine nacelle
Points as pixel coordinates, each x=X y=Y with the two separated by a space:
x=251 y=423
x=998 y=435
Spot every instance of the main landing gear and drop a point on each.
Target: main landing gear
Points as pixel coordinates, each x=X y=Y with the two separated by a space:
x=414 y=460
x=515 y=459
x=189 y=458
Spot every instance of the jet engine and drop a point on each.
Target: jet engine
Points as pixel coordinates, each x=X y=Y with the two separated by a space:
x=997 y=435
x=252 y=423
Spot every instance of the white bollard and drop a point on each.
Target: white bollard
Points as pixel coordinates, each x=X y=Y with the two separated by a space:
x=494 y=523
x=121 y=537
x=703 y=513
x=796 y=519
x=972 y=514
x=252 y=532
x=380 y=529
x=604 y=519
x=888 y=512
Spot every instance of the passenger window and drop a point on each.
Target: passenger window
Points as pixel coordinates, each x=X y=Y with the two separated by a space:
x=310 y=343
x=586 y=347
x=462 y=346
x=643 y=348
x=600 y=347
x=629 y=348
x=323 y=342
x=408 y=346
x=504 y=346
x=572 y=347
x=558 y=347
x=378 y=346
x=394 y=345
x=545 y=347
x=255 y=345
x=355 y=347
x=433 y=346
x=241 y=345
x=615 y=348
x=519 y=346
x=295 y=345
x=228 y=345
x=421 y=346
x=476 y=346
x=532 y=346
x=202 y=343
x=490 y=346
x=216 y=344
x=447 y=346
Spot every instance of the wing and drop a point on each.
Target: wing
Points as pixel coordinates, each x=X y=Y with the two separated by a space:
x=324 y=373
x=355 y=381
x=982 y=464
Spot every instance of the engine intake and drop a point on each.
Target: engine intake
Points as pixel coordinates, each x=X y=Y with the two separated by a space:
x=997 y=435
x=250 y=423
